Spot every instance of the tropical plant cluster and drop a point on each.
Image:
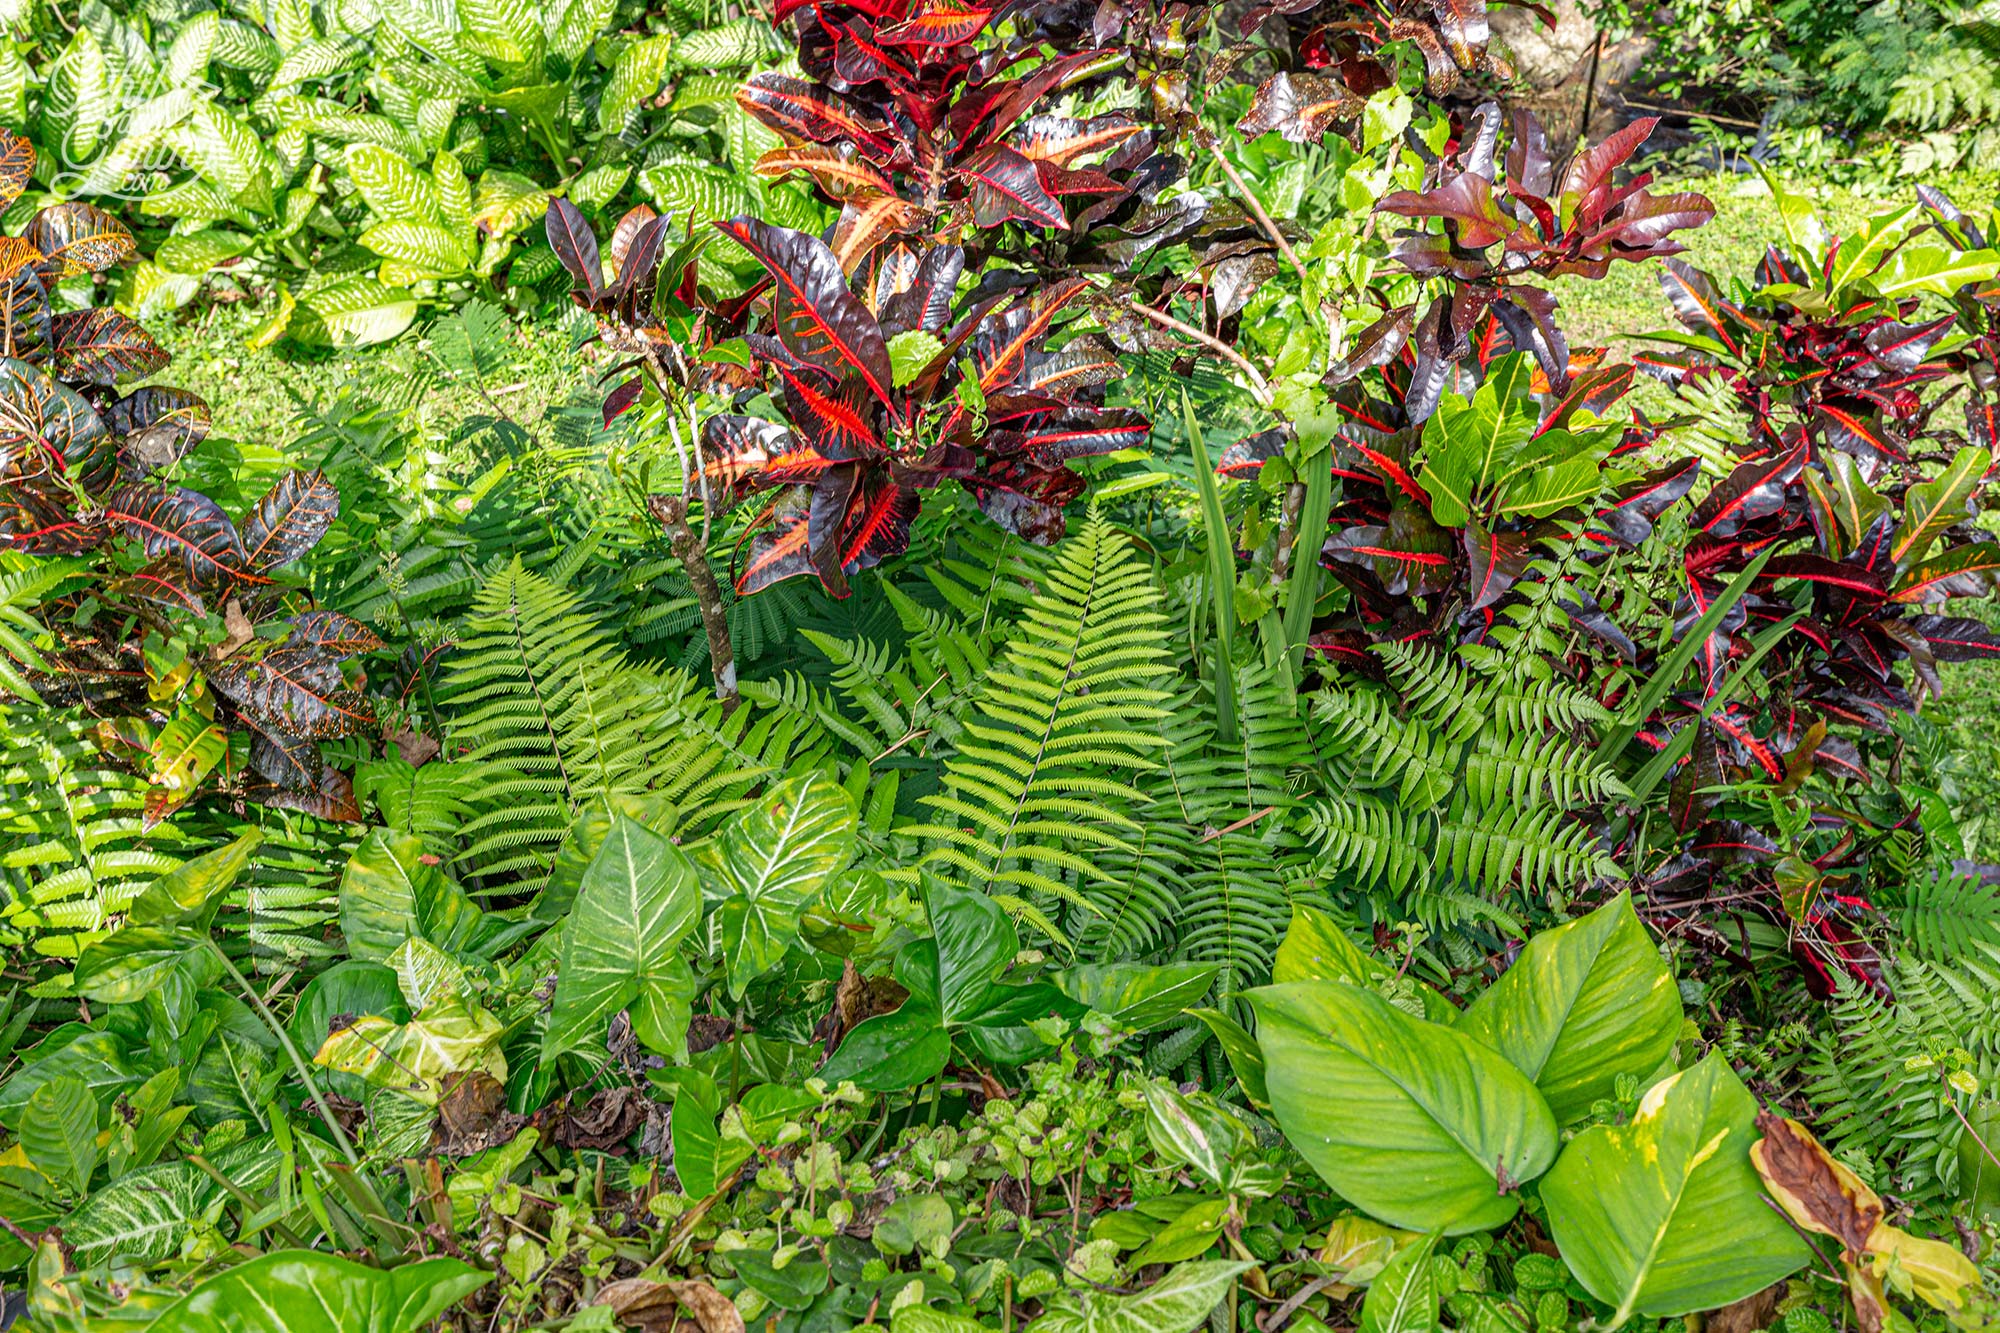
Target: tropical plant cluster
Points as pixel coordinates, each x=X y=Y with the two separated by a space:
x=1090 y=718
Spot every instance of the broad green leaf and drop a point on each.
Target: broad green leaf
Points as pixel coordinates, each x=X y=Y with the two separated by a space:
x=228 y=154
x=1471 y=445
x=735 y=44
x=1195 y=1132
x=1666 y=1216
x=1931 y=506
x=507 y=203
x=703 y=1159
x=923 y=1319
x=1404 y=1296
x=1863 y=249
x=303 y=1291
x=773 y=855
x=1584 y=1003
x=350 y=988
x=425 y=974
x=1136 y=995
x=891 y=1052
x=146 y=1215
x=506 y=32
x=96 y=1057
x=190 y=891
x=390 y=893
x=354 y=311
x=577 y=25
x=194 y=42
x=59 y=1132
x=638 y=899
x=1937 y=269
x=1246 y=1057
x=127 y=966
x=78 y=98
x=1315 y=948
x=910 y=352
x=392 y=187
x=1413 y=1122
x=1180 y=1302
x=195 y=253
x=421 y=245
x=792 y=1287
x=423 y=1058
x=636 y=76
x=454 y=195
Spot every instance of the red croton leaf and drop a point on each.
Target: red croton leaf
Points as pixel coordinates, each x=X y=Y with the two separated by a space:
x=575 y=245
x=289 y=521
x=183 y=526
x=333 y=633
x=159 y=426
x=78 y=238
x=296 y=690
x=1008 y=188
x=819 y=320
x=101 y=346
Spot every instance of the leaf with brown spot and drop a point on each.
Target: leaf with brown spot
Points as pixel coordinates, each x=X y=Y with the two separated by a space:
x=655 y=1307
x=78 y=238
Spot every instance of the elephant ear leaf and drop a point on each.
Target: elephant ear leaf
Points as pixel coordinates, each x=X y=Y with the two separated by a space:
x=1584 y=1003
x=1663 y=1216
x=1413 y=1122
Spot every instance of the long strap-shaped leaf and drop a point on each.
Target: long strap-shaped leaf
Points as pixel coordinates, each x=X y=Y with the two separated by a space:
x=1669 y=672
x=1221 y=577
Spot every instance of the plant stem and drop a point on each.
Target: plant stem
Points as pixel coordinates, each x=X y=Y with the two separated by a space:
x=1258 y=385
x=671 y=511
x=340 y=1138
x=1256 y=208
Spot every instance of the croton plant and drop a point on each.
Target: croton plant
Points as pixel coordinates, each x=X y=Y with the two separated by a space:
x=89 y=472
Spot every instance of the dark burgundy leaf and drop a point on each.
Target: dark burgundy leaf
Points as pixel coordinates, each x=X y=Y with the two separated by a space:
x=1819 y=569
x=622 y=399
x=1956 y=638
x=1301 y=108
x=1637 y=504
x=180 y=525
x=819 y=320
x=336 y=635
x=296 y=690
x=1024 y=499
x=78 y=238
x=1465 y=203
x=1698 y=302
x=1962 y=571
x=159 y=426
x=924 y=302
x=1754 y=490
x=101 y=346
x=1496 y=560
x=1595 y=621
x=1008 y=188
x=575 y=245
x=1247 y=456
x=289 y=521
x=1376 y=346
x=801 y=111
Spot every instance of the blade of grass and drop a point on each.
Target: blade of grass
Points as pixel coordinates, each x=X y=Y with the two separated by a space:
x=1221 y=577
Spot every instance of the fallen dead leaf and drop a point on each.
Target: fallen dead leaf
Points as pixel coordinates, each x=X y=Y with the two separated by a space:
x=655 y=1306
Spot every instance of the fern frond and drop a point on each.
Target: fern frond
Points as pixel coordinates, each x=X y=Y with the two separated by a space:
x=1490 y=847
x=1418 y=759
x=1529 y=768
x=1945 y=917
x=1063 y=722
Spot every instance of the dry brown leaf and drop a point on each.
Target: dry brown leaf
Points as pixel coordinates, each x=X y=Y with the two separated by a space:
x=654 y=1306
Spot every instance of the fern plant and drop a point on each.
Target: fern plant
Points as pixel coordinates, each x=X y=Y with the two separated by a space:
x=553 y=716
x=1042 y=781
x=1457 y=787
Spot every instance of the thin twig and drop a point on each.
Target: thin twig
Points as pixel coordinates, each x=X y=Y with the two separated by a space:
x=1258 y=386
x=1257 y=211
x=1244 y=822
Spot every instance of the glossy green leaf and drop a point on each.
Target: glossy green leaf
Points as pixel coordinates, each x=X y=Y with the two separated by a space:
x=301 y=1291
x=59 y=1132
x=390 y=893
x=1415 y=1123
x=638 y=899
x=423 y=1058
x=1583 y=1003
x=703 y=1158
x=127 y=966
x=890 y=1052
x=191 y=890
x=394 y=189
x=768 y=861
x=1179 y=1302
x=1246 y=1058
x=1666 y=1216
x=1404 y=1296
x=1137 y=995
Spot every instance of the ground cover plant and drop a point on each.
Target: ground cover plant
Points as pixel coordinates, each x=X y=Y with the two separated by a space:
x=1061 y=701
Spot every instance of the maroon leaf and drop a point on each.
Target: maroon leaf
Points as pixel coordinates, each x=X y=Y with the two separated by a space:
x=1903 y=347
x=336 y=635
x=1636 y=505
x=1465 y=203
x=923 y=302
x=1078 y=433
x=296 y=690
x=1754 y=490
x=289 y=521
x=1025 y=500
x=1299 y=107
x=1376 y=346
x=101 y=346
x=575 y=245
x=1956 y=639
x=832 y=421
x=181 y=525
x=78 y=238
x=1698 y=302
x=779 y=551
x=159 y=426
x=1589 y=171
x=939 y=23
x=1496 y=560
x=819 y=320
x=622 y=399
x=46 y=426
x=1819 y=569
x=1246 y=457
x=1008 y=188
x=877 y=524
x=801 y=111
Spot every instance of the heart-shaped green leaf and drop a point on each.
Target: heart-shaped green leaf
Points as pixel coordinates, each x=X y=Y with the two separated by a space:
x=1413 y=1122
